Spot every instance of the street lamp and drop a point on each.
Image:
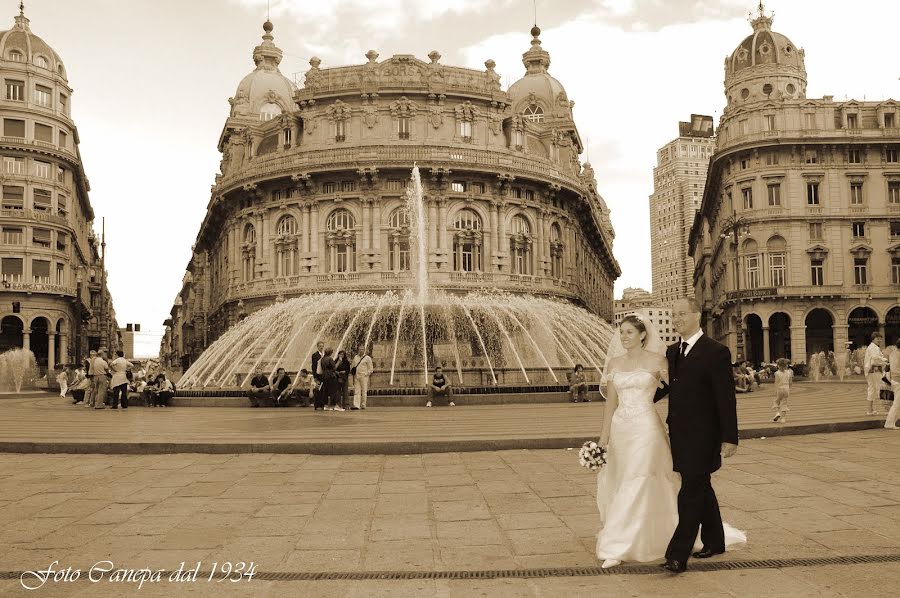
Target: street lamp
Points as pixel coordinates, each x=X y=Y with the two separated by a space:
x=734 y=229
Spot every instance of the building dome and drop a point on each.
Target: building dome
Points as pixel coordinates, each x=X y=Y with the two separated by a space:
x=265 y=91
x=19 y=44
x=537 y=89
x=765 y=65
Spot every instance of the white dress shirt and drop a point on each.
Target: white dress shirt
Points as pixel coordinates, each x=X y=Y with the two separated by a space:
x=691 y=341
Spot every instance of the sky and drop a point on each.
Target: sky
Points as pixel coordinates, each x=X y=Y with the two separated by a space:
x=152 y=80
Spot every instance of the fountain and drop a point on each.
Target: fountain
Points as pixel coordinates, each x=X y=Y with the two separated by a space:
x=17 y=368
x=487 y=338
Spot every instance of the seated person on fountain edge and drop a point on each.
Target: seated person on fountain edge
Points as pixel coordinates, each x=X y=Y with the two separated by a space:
x=259 y=388
x=440 y=387
x=577 y=385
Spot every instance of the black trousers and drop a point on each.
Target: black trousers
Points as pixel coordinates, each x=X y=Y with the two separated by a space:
x=697 y=506
x=120 y=392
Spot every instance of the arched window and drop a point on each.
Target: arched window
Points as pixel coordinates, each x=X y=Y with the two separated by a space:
x=286 y=247
x=398 y=238
x=520 y=245
x=248 y=253
x=341 y=240
x=467 y=242
x=16 y=56
x=269 y=111
x=249 y=234
x=286 y=226
x=534 y=113
x=42 y=62
x=556 y=251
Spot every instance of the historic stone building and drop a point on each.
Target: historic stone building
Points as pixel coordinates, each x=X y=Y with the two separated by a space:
x=51 y=273
x=678 y=181
x=312 y=188
x=640 y=302
x=799 y=229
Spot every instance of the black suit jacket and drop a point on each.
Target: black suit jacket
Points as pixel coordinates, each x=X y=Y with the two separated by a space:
x=702 y=405
x=315 y=362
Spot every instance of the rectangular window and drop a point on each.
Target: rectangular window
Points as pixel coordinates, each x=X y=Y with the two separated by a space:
x=852 y=121
x=752 y=271
x=894 y=192
x=12 y=236
x=890 y=120
x=860 y=270
x=771 y=158
x=41 y=169
x=40 y=237
x=458 y=187
x=62 y=242
x=777 y=269
x=339 y=131
x=13 y=127
x=895 y=270
x=13 y=197
x=854 y=156
x=404 y=127
x=329 y=187
x=63 y=139
x=14 y=165
x=745 y=163
x=859 y=230
x=812 y=157
x=774 y=191
x=812 y=194
x=42 y=96
x=40 y=271
x=60 y=274
x=477 y=187
x=42 y=200
x=348 y=186
x=815 y=231
x=43 y=133
x=63 y=103
x=745 y=127
x=770 y=122
x=61 y=175
x=15 y=90
x=891 y=155
x=394 y=185
x=810 y=120
x=465 y=129
x=817 y=272
x=12 y=269
x=518 y=139
x=62 y=205
x=895 y=228
x=856 y=193
x=288 y=137
x=747 y=194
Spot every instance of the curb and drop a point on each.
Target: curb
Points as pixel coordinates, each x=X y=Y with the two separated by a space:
x=381 y=448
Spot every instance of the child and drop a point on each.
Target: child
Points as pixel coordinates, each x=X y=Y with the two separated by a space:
x=784 y=377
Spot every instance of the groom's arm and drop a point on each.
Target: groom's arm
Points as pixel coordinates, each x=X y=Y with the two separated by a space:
x=723 y=394
x=661 y=393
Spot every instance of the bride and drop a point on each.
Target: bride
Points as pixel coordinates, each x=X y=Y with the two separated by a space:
x=637 y=490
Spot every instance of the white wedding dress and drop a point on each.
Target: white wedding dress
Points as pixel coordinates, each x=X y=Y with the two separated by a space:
x=637 y=491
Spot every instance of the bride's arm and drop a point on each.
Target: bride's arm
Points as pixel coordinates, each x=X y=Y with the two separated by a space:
x=612 y=402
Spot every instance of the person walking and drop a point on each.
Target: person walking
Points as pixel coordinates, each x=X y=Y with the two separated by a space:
x=100 y=379
x=364 y=369
x=873 y=368
x=120 y=368
x=784 y=377
x=894 y=362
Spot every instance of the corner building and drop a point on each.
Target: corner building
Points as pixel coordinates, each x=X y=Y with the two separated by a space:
x=816 y=266
x=51 y=273
x=311 y=193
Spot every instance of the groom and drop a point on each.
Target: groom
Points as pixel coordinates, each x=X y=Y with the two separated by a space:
x=702 y=429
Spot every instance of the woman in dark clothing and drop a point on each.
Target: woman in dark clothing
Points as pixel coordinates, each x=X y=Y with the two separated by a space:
x=342 y=370
x=328 y=379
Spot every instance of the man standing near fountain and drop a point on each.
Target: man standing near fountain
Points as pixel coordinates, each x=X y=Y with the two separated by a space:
x=319 y=392
x=873 y=367
x=100 y=379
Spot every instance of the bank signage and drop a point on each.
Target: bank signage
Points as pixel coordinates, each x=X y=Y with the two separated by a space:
x=751 y=294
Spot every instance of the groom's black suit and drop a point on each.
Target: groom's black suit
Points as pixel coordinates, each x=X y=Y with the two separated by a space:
x=702 y=415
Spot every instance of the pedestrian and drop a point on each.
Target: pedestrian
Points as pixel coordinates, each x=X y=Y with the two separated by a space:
x=120 y=368
x=259 y=390
x=316 y=371
x=894 y=365
x=342 y=370
x=100 y=379
x=328 y=378
x=63 y=380
x=873 y=367
x=281 y=387
x=79 y=386
x=784 y=378
x=364 y=369
x=89 y=374
x=440 y=387
x=577 y=385
x=165 y=390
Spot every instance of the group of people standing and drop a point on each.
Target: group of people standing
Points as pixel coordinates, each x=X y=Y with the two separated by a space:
x=90 y=383
x=876 y=368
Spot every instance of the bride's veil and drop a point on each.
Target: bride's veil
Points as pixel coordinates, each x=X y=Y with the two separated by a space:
x=652 y=343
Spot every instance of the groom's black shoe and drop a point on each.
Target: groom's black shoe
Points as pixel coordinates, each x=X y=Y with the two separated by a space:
x=706 y=553
x=675 y=566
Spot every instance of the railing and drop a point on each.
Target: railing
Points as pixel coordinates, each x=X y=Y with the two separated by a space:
x=33 y=215
x=807 y=135
x=36 y=143
x=338 y=277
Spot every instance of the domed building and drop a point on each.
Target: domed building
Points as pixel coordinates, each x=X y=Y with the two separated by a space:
x=797 y=243
x=311 y=197
x=54 y=298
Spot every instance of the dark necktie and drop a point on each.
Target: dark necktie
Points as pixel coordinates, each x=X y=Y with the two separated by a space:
x=684 y=347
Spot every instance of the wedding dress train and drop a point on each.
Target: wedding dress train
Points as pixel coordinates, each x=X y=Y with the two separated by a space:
x=637 y=491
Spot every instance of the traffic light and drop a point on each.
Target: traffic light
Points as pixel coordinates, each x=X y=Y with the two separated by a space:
x=17 y=307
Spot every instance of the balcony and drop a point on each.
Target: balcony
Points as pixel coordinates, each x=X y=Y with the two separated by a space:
x=40 y=216
x=21 y=141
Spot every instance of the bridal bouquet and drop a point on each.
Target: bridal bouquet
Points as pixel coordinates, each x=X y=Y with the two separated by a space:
x=592 y=455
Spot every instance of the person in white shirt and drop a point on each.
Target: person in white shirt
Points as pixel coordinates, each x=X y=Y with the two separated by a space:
x=873 y=368
x=364 y=370
x=894 y=360
x=100 y=380
x=120 y=368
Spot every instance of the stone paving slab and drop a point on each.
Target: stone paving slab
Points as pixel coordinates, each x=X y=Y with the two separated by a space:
x=327 y=515
x=53 y=424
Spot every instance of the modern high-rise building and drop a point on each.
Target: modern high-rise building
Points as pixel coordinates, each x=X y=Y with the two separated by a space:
x=52 y=300
x=798 y=240
x=678 y=181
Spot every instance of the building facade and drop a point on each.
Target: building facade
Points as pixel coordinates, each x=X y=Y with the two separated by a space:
x=797 y=244
x=640 y=302
x=678 y=181
x=54 y=300
x=311 y=194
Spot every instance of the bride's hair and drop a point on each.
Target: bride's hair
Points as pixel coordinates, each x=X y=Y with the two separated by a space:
x=638 y=323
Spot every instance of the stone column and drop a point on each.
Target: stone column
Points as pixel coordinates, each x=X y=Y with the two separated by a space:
x=314 y=234
x=539 y=254
x=798 y=343
x=495 y=235
x=26 y=339
x=376 y=226
x=64 y=347
x=307 y=245
x=443 y=241
x=766 y=355
x=51 y=351
x=432 y=225
x=366 y=213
